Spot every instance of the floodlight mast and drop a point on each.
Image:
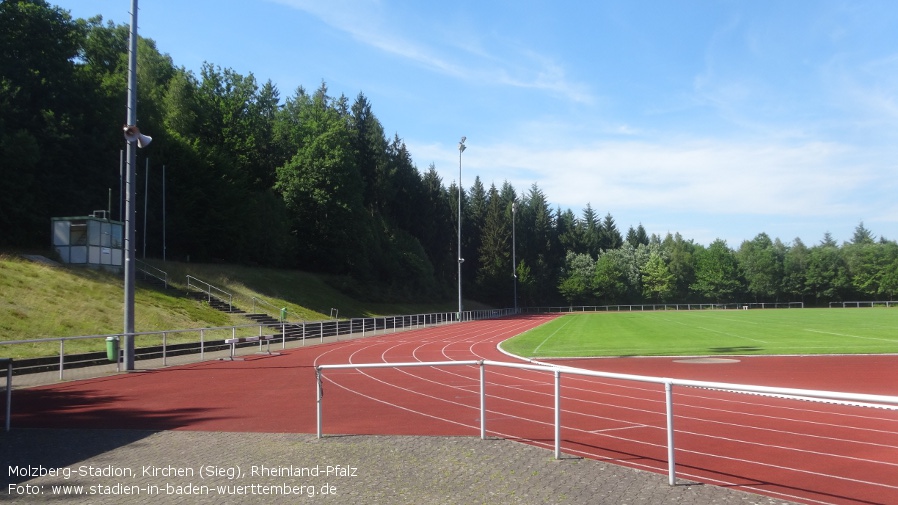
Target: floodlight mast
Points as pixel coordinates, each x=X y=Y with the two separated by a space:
x=461 y=149
x=131 y=195
x=514 y=265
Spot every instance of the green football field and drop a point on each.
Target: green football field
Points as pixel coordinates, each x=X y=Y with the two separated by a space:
x=713 y=332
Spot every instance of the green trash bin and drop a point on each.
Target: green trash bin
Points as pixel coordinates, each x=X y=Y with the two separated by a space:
x=112 y=348
x=283 y=314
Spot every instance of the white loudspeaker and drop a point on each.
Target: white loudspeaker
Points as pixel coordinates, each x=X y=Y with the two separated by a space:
x=132 y=133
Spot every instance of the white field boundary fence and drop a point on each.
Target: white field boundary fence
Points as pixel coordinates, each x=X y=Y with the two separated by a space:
x=650 y=307
x=158 y=344
x=859 y=304
x=881 y=401
x=207 y=339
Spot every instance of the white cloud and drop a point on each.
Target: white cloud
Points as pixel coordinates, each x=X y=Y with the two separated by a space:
x=488 y=61
x=865 y=90
x=365 y=21
x=722 y=178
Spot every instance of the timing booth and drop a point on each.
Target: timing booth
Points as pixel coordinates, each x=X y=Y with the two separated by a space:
x=94 y=240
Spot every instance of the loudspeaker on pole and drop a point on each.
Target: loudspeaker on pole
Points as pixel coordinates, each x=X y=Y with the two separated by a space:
x=132 y=133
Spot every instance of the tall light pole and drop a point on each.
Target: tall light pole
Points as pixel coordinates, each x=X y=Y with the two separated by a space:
x=134 y=139
x=514 y=261
x=461 y=149
x=131 y=193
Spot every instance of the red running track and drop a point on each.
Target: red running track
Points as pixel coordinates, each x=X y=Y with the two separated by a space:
x=807 y=452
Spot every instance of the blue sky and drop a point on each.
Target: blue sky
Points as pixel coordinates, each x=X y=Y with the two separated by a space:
x=714 y=119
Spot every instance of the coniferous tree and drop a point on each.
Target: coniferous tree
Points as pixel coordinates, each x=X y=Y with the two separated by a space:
x=437 y=230
x=370 y=153
x=540 y=250
x=591 y=231
x=632 y=239
x=610 y=237
x=641 y=236
x=474 y=208
x=569 y=232
x=494 y=252
x=862 y=235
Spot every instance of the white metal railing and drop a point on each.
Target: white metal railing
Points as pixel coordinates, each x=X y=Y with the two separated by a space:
x=557 y=371
x=150 y=270
x=278 y=311
x=648 y=307
x=204 y=287
x=164 y=334
x=298 y=331
x=858 y=304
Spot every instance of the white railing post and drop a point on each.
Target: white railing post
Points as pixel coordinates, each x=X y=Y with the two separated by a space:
x=61 y=356
x=667 y=382
x=557 y=413
x=8 y=418
x=671 y=463
x=482 y=403
x=164 y=363
x=318 y=399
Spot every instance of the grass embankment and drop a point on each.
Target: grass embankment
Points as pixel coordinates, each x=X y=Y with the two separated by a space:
x=43 y=301
x=714 y=332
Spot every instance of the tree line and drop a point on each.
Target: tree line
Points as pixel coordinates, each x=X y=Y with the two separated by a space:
x=759 y=270
x=312 y=181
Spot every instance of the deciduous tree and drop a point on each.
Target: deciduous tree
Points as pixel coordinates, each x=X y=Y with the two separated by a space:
x=716 y=273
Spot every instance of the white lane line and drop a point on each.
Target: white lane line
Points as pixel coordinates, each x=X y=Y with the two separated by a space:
x=552 y=335
x=851 y=336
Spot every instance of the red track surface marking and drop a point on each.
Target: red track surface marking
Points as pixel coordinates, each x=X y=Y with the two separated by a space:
x=802 y=451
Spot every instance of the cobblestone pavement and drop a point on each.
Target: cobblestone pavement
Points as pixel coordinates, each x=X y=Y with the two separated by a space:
x=132 y=466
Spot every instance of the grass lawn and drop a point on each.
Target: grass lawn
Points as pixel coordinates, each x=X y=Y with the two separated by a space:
x=38 y=301
x=713 y=332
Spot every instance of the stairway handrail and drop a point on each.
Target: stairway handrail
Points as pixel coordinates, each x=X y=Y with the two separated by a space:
x=152 y=271
x=208 y=290
x=277 y=310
